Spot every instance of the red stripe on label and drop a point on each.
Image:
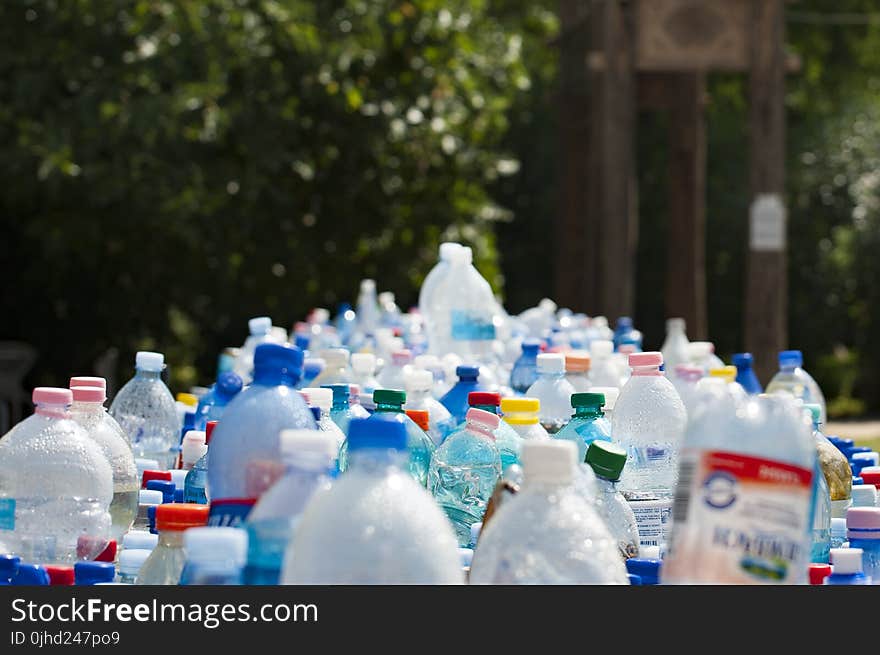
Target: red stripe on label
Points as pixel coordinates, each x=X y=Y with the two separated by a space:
x=754 y=469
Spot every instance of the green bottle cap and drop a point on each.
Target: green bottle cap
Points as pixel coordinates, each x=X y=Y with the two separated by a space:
x=607 y=459
x=815 y=411
x=389 y=396
x=588 y=400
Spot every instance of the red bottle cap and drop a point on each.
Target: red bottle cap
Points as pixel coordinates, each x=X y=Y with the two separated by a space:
x=209 y=428
x=154 y=475
x=60 y=575
x=108 y=554
x=818 y=573
x=484 y=398
x=419 y=417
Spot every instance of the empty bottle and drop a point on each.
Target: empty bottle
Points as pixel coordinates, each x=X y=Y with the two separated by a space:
x=793 y=379
x=507 y=439
x=88 y=410
x=548 y=533
x=577 y=369
x=244 y=450
x=367 y=309
x=863 y=531
x=356 y=409
x=525 y=369
x=340 y=410
x=455 y=399
x=196 y=480
x=522 y=415
x=336 y=369
x=432 y=363
x=607 y=461
x=214 y=556
x=702 y=354
x=213 y=404
x=623 y=329
x=675 y=347
x=587 y=424
x=56 y=485
x=323 y=400
x=603 y=369
x=435 y=277
x=745 y=374
x=375 y=525
x=363 y=366
x=259 y=331
x=167 y=559
x=419 y=395
x=130 y=562
x=464 y=470
x=649 y=422
x=685 y=379
x=553 y=391
x=145 y=409
x=393 y=374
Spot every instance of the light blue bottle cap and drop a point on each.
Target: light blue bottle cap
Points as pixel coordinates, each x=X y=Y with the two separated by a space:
x=139 y=540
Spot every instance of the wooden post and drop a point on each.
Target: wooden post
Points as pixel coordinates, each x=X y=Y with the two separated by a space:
x=686 y=250
x=767 y=286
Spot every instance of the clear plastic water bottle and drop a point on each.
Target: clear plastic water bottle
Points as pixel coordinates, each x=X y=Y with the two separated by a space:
x=244 y=450
x=603 y=369
x=739 y=455
x=432 y=363
x=213 y=404
x=88 y=410
x=675 y=347
x=455 y=400
x=464 y=470
x=525 y=369
x=145 y=409
x=375 y=525
x=548 y=533
x=577 y=369
x=214 y=556
x=607 y=461
x=685 y=379
x=363 y=367
x=847 y=568
x=336 y=369
x=367 y=308
x=587 y=424
x=393 y=375
x=167 y=559
x=56 y=485
x=435 y=277
x=507 y=439
x=863 y=531
x=702 y=354
x=309 y=457
x=195 y=483
x=793 y=379
x=130 y=562
x=323 y=399
x=553 y=391
x=92 y=573
x=745 y=374
x=649 y=422
x=259 y=331
x=340 y=410
x=522 y=415
x=419 y=395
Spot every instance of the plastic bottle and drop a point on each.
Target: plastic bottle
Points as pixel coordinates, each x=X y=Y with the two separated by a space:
x=194 y=448
x=432 y=363
x=244 y=450
x=464 y=470
x=702 y=354
x=419 y=388
x=195 y=482
x=838 y=533
x=507 y=440
x=356 y=409
x=213 y=404
x=603 y=370
x=455 y=399
x=611 y=394
x=863 y=531
x=56 y=485
x=435 y=277
x=835 y=467
x=675 y=347
x=214 y=556
x=522 y=415
x=846 y=568
x=323 y=399
x=587 y=424
x=740 y=455
x=577 y=368
x=363 y=367
x=607 y=461
x=793 y=379
x=130 y=563
x=685 y=379
x=548 y=533
x=525 y=369
x=728 y=374
x=624 y=327
x=91 y=573
x=375 y=525
x=367 y=308
x=336 y=369
x=553 y=391
x=88 y=410
x=393 y=375
x=166 y=561
x=139 y=540
x=745 y=374
x=340 y=409
x=145 y=409
x=259 y=331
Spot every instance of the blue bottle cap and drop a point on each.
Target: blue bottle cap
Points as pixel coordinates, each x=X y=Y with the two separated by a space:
x=166 y=487
x=301 y=341
x=278 y=359
x=742 y=360
x=849 y=451
x=178 y=495
x=531 y=345
x=857 y=481
x=857 y=465
x=647 y=569
x=378 y=431
x=841 y=443
x=9 y=566
x=467 y=372
x=151 y=517
x=88 y=573
x=791 y=358
x=228 y=384
x=340 y=391
x=31 y=574
x=316 y=413
x=624 y=322
x=634 y=579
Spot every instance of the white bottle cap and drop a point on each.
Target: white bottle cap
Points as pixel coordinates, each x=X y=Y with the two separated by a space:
x=551 y=363
x=149 y=361
x=846 y=560
x=368 y=286
x=386 y=298
x=193 y=447
x=320 y=315
x=418 y=380
x=463 y=255
x=260 y=325
x=700 y=349
x=314 y=442
x=549 y=460
x=131 y=560
x=601 y=348
x=320 y=397
x=204 y=544
x=872 y=457
x=363 y=362
x=139 y=540
x=610 y=393
x=149 y=497
x=864 y=495
x=675 y=324
x=335 y=356
x=447 y=248
x=145 y=465
x=178 y=476
x=279 y=334
x=599 y=322
x=427 y=362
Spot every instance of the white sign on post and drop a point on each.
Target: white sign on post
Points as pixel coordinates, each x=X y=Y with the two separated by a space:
x=767 y=220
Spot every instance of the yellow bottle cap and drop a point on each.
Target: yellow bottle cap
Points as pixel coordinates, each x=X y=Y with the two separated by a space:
x=727 y=373
x=188 y=399
x=520 y=411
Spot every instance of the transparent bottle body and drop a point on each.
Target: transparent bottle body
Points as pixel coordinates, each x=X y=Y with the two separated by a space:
x=579 y=381
x=821 y=534
x=195 y=484
x=527 y=431
x=440 y=421
x=605 y=373
x=166 y=561
x=800 y=384
x=583 y=430
x=618 y=517
x=524 y=372
x=146 y=411
x=554 y=392
x=675 y=350
x=461 y=317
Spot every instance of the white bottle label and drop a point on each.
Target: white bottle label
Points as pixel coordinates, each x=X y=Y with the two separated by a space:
x=653 y=518
x=739 y=520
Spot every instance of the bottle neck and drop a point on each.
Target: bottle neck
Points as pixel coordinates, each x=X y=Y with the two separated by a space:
x=373 y=460
x=516 y=418
x=274 y=377
x=587 y=412
x=148 y=375
x=481 y=431
x=52 y=411
x=606 y=485
x=551 y=375
x=171 y=538
x=389 y=407
x=487 y=408
x=646 y=371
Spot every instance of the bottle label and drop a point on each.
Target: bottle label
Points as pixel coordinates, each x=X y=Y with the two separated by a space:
x=739 y=519
x=7 y=513
x=230 y=512
x=466 y=327
x=653 y=518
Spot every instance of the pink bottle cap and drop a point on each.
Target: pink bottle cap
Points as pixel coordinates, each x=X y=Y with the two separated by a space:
x=642 y=360
x=87 y=381
x=51 y=396
x=401 y=357
x=863 y=518
x=481 y=416
x=88 y=394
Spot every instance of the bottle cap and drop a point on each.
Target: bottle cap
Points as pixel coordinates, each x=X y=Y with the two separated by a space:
x=363 y=362
x=51 y=396
x=301 y=341
x=149 y=361
x=484 y=398
x=389 y=397
x=447 y=248
x=726 y=373
x=606 y=459
x=320 y=397
x=188 y=399
x=60 y=575
x=376 y=433
x=587 y=399
x=150 y=497
x=742 y=360
x=675 y=324
x=645 y=360
x=193 y=447
x=419 y=380
x=863 y=523
x=846 y=561
x=313 y=444
x=340 y=392
x=87 y=381
x=551 y=461
x=791 y=358
x=139 y=540
x=818 y=573
x=871 y=475
x=109 y=552
x=401 y=357
x=864 y=495
x=131 y=560
x=87 y=573
x=700 y=349
x=165 y=487
x=278 y=358
x=577 y=362
x=634 y=579
x=88 y=394
x=228 y=384
x=531 y=346
x=520 y=405
x=480 y=417
x=647 y=569
x=154 y=475
x=312 y=367
x=368 y=285
x=260 y=325
x=9 y=566
x=600 y=348
x=178 y=476
x=335 y=357
x=873 y=458
x=216 y=544
x=420 y=417
x=180 y=516
x=467 y=371
x=209 y=429
x=31 y=575
x=551 y=363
